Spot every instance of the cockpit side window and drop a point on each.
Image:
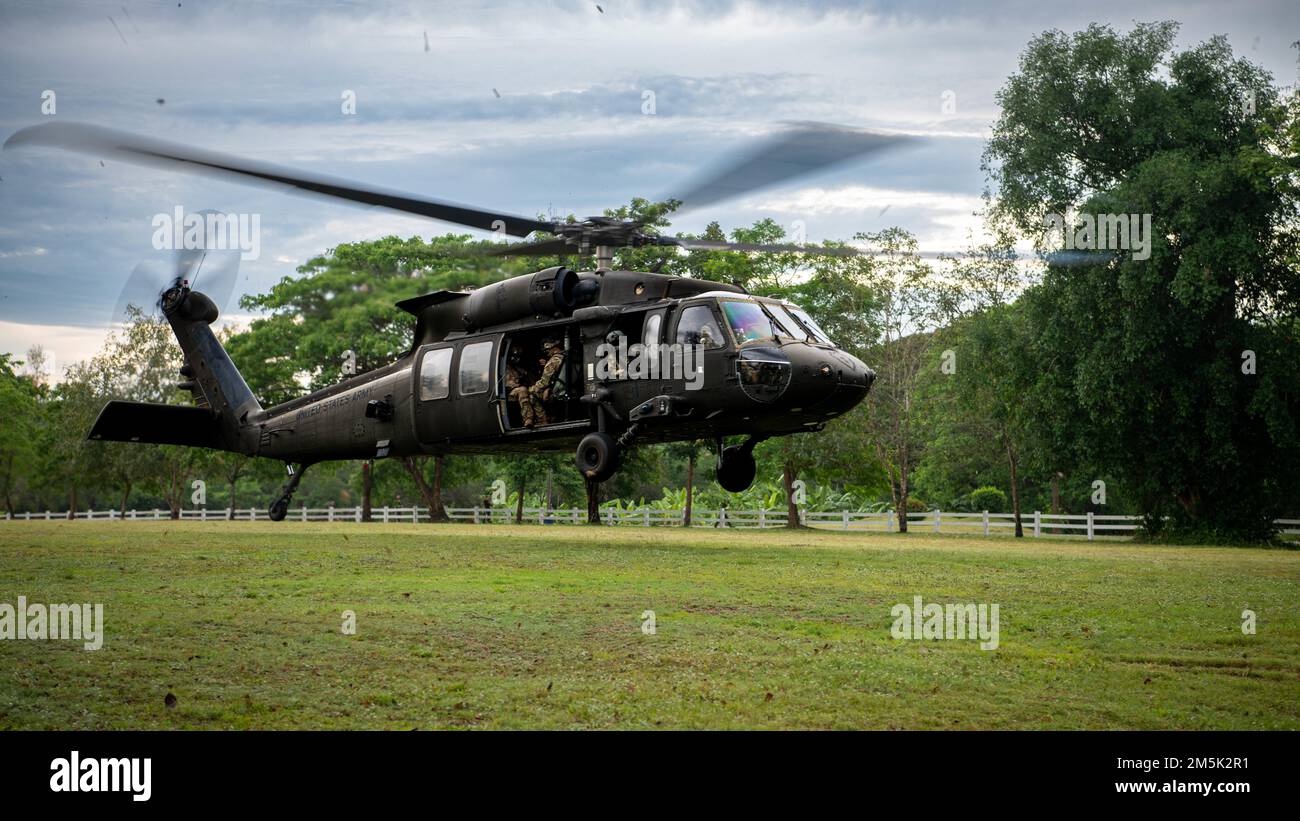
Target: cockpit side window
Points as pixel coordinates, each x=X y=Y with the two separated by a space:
x=696 y=326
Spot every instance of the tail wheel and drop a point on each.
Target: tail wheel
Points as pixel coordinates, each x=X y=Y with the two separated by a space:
x=736 y=469
x=597 y=456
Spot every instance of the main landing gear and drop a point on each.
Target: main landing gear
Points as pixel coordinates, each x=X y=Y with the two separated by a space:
x=280 y=507
x=736 y=466
x=597 y=456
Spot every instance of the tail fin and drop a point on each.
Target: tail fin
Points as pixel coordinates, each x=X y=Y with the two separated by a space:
x=230 y=405
x=191 y=315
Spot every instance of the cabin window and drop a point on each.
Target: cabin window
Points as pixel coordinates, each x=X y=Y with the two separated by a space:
x=435 y=374
x=698 y=327
x=475 y=363
x=652 y=324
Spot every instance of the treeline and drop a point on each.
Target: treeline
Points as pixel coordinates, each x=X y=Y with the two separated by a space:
x=1162 y=383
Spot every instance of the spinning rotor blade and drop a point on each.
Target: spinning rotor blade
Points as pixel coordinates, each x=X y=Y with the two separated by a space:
x=134 y=148
x=715 y=245
x=802 y=149
x=215 y=270
x=536 y=249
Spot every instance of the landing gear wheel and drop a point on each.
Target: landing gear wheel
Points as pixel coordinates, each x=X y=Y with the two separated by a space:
x=597 y=456
x=736 y=468
x=279 y=509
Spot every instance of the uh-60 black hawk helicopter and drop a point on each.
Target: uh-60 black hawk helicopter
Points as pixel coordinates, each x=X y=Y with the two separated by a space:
x=714 y=361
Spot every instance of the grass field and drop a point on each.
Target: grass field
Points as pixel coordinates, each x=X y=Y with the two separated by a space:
x=541 y=627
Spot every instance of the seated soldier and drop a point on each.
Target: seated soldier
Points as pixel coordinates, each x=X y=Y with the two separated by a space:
x=517 y=379
x=542 y=388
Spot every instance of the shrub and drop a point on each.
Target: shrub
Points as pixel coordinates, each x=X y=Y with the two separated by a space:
x=988 y=498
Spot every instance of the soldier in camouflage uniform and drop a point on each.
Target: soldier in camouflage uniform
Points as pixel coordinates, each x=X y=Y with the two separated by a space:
x=530 y=408
x=541 y=389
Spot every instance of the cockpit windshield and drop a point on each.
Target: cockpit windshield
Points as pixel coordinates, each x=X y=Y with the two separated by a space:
x=783 y=317
x=754 y=321
x=812 y=327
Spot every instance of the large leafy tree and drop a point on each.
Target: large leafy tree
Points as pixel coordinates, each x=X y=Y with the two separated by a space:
x=20 y=409
x=1143 y=364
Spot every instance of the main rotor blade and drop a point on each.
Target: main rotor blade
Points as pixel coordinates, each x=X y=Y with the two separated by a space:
x=536 y=249
x=715 y=245
x=802 y=149
x=135 y=148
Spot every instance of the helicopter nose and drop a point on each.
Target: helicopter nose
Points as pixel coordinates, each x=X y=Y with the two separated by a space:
x=813 y=380
x=830 y=382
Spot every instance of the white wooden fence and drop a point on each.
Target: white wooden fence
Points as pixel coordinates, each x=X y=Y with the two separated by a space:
x=1090 y=525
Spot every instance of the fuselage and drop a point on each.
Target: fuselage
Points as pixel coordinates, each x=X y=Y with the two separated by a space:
x=710 y=362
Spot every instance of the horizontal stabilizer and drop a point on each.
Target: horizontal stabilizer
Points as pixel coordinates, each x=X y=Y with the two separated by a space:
x=157 y=424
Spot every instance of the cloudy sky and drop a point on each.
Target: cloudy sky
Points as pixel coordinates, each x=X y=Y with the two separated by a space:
x=528 y=107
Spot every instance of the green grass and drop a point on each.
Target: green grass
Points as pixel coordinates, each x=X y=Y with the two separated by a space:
x=478 y=626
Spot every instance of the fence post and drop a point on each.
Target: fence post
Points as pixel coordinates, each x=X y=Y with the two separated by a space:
x=844 y=515
x=938 y=518
x=1089 y=525
x=415 y=514
x=986 y=523
x=329 y=513
x=476 y=514
x=385 y=514
x=762 y=518
x=304 y=511
x=252 y=514
x=356 y=513
x=1037 y=524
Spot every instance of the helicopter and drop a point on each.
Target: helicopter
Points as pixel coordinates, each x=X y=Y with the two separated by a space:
x=643 y=357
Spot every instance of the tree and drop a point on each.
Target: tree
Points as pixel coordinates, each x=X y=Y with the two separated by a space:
x=67 y=461
x=690 y=452
x=911 y=302
x=991 y=376
x=976 y=397
x=20 y=410
x=1170 y=366
x=430 y=491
